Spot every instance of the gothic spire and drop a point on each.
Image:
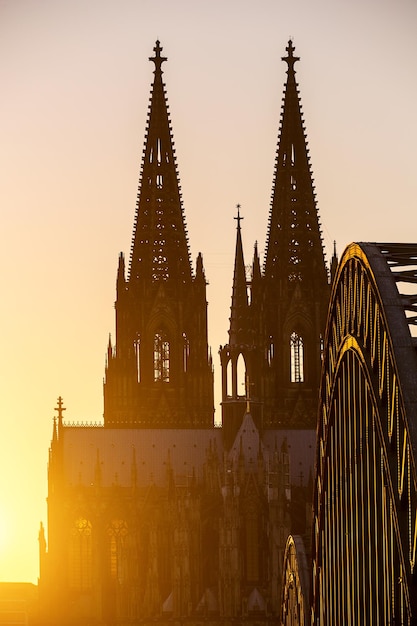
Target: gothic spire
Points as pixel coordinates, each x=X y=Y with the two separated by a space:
x=334 y=262
x=160 y=249
x=256 y=266
x=239 y=307
x=294 y=248
x=159 y=372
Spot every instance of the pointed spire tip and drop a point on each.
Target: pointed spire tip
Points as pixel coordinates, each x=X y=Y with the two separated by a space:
x=290 y=59
x=158 y=59
x=238 y=218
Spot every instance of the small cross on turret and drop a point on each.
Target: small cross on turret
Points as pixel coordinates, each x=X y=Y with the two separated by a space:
x=238 y=218
x=60 y=408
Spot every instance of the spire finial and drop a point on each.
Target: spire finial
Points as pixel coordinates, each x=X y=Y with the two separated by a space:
x=60 y=408
x=158 y=59
x=238 y=218
x=290 y=59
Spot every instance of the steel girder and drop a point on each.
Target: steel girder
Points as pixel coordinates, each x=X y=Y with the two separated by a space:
x=365 y=501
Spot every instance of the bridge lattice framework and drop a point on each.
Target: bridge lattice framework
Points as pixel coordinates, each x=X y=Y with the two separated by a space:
x=365 y=501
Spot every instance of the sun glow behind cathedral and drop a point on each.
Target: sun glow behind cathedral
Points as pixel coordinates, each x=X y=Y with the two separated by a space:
x=59 y=177
x=158 y=513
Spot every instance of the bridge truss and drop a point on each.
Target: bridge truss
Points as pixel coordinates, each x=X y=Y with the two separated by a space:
x=365 y=501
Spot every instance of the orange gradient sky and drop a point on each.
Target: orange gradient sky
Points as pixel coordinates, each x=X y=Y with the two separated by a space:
x=75 y=82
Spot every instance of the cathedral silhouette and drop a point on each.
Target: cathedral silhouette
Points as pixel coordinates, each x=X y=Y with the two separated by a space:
x=158 y=514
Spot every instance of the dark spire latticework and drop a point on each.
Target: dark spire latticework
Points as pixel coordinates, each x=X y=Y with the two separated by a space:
x=239 y=308
x=294 y=247
x=281 y=332
x=296 y=288
x=160 y=249
x=159 y=373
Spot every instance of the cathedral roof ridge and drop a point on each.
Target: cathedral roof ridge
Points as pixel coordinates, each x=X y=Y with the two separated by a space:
x=248 y=440
x=155 y=450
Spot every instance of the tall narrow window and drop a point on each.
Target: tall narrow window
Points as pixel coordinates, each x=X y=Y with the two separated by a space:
x=241 y=376
x=229 y=379
x=186 y=351
x=296 y=358
x=270 y=351
x=161 y=358
x=292 y=154
x=80 y=555
x=137 y=352
x=117 y=532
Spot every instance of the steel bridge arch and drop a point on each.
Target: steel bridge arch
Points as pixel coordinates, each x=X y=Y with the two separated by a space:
x=295 y=599
x=365 y=500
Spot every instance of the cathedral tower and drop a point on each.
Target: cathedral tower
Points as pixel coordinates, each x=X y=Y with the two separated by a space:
x=159 y=373
x=288 y=298
x=296 y=289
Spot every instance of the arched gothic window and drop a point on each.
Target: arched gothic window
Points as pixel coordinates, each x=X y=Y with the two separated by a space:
x=296 y=358
x=229 y=379
x=80 y=555
x=241 y=376
x=117 y=532
x=161 y=357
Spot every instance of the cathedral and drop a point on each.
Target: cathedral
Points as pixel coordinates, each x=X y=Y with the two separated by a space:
x=158 y=514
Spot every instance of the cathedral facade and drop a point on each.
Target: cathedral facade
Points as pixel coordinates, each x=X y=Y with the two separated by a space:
x=158 y=514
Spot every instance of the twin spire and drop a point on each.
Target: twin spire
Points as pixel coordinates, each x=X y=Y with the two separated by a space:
x=160 y=250
x=159 y=373
x=278 y=317
x=294 y=249
x=161 y=309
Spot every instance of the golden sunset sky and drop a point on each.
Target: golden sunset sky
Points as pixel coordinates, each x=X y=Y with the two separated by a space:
x=75 y=83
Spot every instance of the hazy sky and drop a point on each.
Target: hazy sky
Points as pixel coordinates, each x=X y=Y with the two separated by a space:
x=75 y=82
